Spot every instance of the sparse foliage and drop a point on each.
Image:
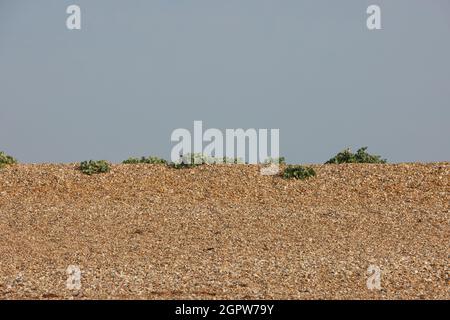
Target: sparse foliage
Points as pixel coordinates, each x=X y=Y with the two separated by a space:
x=195 y=159
x=6 y=159
x=361 y=156
x=280 y=160
x=298 y=172
x=190 y=160
x=92 y=167
x=149 y=160
x=229 y=160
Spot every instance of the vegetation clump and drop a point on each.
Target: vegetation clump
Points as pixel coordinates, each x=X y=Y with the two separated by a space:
x=191 y=160
x=229 y=160
x=280 y=160
x=298 y=172
x=361 y=156
x=6 y=159
x=93 y=167
x=149 y=160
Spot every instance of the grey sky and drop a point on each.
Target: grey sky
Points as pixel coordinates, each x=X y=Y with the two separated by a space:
x=140 y=69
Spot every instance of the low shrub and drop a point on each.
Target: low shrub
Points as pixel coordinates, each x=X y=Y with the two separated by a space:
x=195 y=159
x=229 y=160
x=149 y=160
x=298 y=172
x=6 y=159
x=92 y=167
x=190 y=160
x=280 y=160
x=361 y=156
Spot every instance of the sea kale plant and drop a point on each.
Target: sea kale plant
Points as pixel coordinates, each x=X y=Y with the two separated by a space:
x=298 y=172
x=229 y=160
x=92 y=167
x=361 y=156
x=149 y=160
x=6 y=159
x=191 y=160
x=280 y=160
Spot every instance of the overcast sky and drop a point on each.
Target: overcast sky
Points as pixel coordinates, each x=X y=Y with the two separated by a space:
x=137 y=70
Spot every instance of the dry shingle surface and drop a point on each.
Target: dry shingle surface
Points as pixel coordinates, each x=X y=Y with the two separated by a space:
x=225 y=231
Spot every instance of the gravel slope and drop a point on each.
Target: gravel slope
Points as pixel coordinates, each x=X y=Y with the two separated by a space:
x=225 y=231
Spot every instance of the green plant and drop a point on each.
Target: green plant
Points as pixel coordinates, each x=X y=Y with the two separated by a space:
x=361 y=156
x=231 y=160
x=6 y=159
x=91 y=167
x=149 y=160
x=190 y=160
x=280 y=160
x=195 y=159
x=298 y=172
